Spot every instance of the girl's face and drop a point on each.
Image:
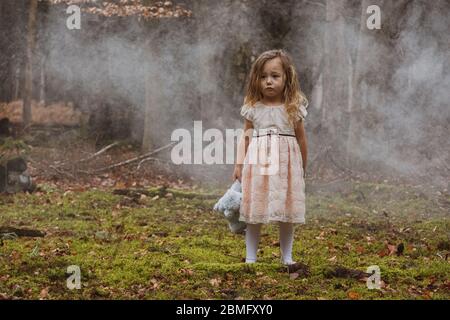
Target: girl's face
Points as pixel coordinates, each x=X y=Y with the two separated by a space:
x=273 y=79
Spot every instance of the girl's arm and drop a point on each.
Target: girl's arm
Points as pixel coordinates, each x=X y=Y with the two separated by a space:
x=300 y=134
x=244 y=142
x=242 y=149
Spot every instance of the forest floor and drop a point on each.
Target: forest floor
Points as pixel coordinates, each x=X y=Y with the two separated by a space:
x=168 y=243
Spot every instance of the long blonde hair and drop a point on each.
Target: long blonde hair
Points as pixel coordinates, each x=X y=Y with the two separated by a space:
x=293 y=97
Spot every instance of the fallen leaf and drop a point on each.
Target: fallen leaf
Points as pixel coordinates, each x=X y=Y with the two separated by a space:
x=353 y=295
x=392 y=249
x=383 y=252
x=215 y=282
x=154 y=283
x=321 y=236
x=427 y=295
x=188 y=272
x=44 y=293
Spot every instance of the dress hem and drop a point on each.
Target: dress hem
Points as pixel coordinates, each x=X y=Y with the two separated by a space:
x=273 y=221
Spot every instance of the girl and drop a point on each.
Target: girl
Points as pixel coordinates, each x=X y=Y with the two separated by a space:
x=275 y=108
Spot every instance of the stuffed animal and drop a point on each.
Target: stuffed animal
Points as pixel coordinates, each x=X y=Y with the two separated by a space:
x=229 y=205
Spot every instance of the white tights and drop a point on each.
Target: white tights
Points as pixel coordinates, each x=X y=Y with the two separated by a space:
x=252 y=237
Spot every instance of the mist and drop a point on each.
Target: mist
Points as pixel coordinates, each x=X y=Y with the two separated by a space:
x=383 y=108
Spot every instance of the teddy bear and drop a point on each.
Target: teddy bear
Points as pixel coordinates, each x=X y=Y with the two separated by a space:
x=229 y=205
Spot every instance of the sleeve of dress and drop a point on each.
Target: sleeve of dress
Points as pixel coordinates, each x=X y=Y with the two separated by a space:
x=248 y=112
x=302 y=113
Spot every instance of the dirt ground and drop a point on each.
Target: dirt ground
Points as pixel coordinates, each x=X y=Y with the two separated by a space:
x=161 y=239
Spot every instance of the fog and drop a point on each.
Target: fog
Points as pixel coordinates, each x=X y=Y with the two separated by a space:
x=197 y=67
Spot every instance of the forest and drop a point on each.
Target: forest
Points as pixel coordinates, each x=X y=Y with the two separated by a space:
x=94 y=93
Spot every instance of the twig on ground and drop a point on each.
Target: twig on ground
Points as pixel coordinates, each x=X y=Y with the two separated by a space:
x=149 y=159
x=21 y=232
x=99 y=152
x=132 y=160
x=8 y=236
x=62 y=172
x=366 y=211
x=163 y=191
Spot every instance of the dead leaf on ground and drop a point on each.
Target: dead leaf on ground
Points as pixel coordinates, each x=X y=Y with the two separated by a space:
x=321 y=236
x=353 y=295
x=333 y=259
x=215 y=282
x=392 y=249
x=44 y=293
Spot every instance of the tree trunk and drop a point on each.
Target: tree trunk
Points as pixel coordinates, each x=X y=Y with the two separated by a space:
x=354 y=107
x=335 y=73
x=16 y=81
x=42 y=82
x=147 y=143
x=28 y=90
x=317 y=93
x=153 y=86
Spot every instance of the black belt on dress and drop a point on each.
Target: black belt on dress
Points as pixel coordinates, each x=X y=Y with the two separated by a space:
x=275 y=134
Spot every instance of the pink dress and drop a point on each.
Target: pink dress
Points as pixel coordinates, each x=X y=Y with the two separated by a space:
x=273 y=188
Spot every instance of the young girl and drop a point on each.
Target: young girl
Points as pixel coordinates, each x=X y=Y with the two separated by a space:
x=274 y=107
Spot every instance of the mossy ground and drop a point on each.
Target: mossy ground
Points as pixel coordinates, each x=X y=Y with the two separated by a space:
x=178 y=248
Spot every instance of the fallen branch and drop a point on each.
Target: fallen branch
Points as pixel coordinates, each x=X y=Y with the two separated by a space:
x=8 y=236
x=364 y=210
x=92 y=156
x=21 y=232
x=123 y=163
x=149 y=159
x=99 y=152
x=62 y=172
x=162 y=192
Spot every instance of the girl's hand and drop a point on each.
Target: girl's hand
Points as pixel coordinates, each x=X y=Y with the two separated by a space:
x=237 y=174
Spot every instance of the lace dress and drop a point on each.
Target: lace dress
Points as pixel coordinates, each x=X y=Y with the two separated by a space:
x=272 y=191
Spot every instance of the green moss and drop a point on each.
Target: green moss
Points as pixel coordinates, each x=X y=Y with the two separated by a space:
x=178 y=248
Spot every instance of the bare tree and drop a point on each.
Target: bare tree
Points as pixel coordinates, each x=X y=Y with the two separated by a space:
x=357 y=85
x=153 y=88
x=336 y=70
x=28 y=90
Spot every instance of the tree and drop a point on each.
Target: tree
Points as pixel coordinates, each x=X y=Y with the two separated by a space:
x=337 y=66
x=28 y=90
